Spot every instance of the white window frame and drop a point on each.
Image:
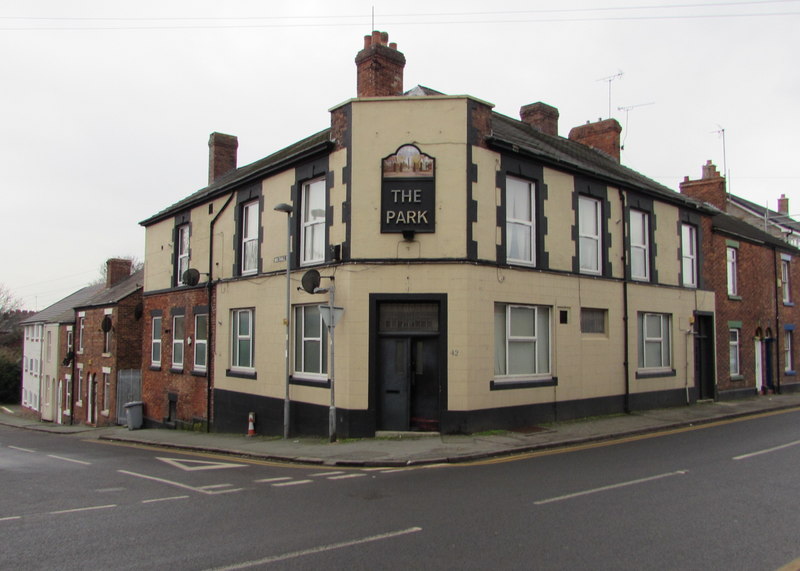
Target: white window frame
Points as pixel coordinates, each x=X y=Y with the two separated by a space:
x=70 y=339
x=303 y=338
x=591 y=316
x=249 y=241
x=663 y=340
x=521 y=219
x=312 y=234
x=238 y=336
x=155 y=341
x=81 y=327
x=106 y=391
x=732 y=256
x=640 y=220
x=590 y=239
x=540 y=342
x=68 y=390
x=178 y=340
x=200 y=343
x=182 y=252
x=689 y=255
x=734 y=352
x=785 y=281
x=788 y=342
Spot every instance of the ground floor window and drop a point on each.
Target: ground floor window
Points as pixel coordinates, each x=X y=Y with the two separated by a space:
x=310 y=341
x=521 y=340
x=654 y=340
x=733 y=344
x=788 y=364
x=106 y=391
x=242 y=339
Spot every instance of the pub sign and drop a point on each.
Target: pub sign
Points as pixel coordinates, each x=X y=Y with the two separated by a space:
x=408 y=192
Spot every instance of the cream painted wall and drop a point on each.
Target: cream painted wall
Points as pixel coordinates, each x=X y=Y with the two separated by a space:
x=558 y=208
x=668 y=238
x=438 y=127
x=158 y=255
x=485 y=231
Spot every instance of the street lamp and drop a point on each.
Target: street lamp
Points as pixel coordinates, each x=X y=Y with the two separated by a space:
x=286 y=209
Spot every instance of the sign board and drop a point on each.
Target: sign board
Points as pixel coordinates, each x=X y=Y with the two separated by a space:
x=408 y=192
x=325 y=312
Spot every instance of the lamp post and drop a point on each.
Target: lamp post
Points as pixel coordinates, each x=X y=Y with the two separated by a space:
x=286 y=209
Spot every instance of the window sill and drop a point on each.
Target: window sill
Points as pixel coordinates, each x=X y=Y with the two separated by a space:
x=176 y=370
x=79 y=403
x=790 y=373
x=788 y=304
x=104 y=413
x=655 y=373
x=734 y=297
x=309 y=382
x=737 y=377
x=105 y=354
x=498 y=385
x=196 y=373
x=155 y=367
x=241 y=374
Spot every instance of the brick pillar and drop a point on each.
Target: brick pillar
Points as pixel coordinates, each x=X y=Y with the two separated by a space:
x=379 y=67
x=603 y=136
x=709 y=188
x=221 y=155
x=541 y=117
x=117 y=269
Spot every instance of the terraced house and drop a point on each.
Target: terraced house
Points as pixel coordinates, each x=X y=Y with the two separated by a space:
x=481 y=271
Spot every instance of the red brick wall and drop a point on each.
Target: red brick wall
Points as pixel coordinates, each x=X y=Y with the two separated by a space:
x=158 y=383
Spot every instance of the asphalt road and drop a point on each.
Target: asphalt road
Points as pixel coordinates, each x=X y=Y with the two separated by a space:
x=720 y=497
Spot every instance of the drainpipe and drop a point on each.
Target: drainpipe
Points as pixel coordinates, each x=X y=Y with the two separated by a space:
x=211 y=313
x=778 y=336
x=625 y=362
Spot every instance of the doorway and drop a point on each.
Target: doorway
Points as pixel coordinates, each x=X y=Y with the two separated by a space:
x=704 y=377
x=408 y=369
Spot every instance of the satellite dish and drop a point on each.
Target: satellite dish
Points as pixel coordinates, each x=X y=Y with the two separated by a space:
x=310 y=281
x=106 y=324
x=191 y=277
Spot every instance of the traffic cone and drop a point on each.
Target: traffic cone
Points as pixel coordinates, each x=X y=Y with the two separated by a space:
x=251 y=424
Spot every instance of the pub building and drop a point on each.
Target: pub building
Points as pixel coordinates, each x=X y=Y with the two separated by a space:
x=484 y=273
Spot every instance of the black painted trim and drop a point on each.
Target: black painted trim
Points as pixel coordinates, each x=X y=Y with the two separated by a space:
x=655 y=375
x=245 y=195
x=635 y=201
x=472 y=178
x=508 y=385
x=240 y=374
x=200 y=310
x=304 y=173
x=326 y=384
x=597 y=190
x=181 y=219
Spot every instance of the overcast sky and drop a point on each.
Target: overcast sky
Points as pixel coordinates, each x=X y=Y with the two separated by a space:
x=106 y=107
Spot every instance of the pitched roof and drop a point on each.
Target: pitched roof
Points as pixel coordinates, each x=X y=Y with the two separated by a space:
x=739 y=228
x=241 y=175
x=772 y=216
x=117 y=292
x=564 y=153
x=62 y=311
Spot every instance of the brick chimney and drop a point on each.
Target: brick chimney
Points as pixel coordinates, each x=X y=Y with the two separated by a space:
x=117 y=269
x=541 y=117
x=379 y=67
x=710 y=188
x=783 y=205
x=221 y=155
x=603 y=136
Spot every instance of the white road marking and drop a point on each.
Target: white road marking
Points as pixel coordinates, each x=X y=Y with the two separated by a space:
x=154 y=500
x=8 y=410
x=611 y=487
x=107 y=490
x=270 y=480
x=178 y=484
x=345 y=476
x=766 y=450
x=23 y=449
x=87 y=509
x=320 y=549
x=393 y=470
x=194 y=465
x=69 y=460
x=10 y=518
x=326 y=474
x=292 y=483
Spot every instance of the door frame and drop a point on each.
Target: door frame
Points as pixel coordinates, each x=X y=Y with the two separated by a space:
x=705 y=356
x=375 y=300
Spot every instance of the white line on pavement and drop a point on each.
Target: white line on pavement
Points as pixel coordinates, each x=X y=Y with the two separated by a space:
x=9 y=518
x=154 y=500
x=23 y=449
x=766 y=450
x=178 y=484
x=69 y=460
x=326 y=474
x=345 y=476
x=270 y=480
x=292 y=483
x=320 y=549
x=84 y=509
x=611 y=487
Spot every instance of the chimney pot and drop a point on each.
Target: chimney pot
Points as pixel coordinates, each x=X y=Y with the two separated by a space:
x=783 y=204
x=379 y=67
x=709 y=188
x=541 y=117
x=603 y=136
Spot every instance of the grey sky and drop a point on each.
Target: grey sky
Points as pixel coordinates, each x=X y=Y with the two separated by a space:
x=106 y=107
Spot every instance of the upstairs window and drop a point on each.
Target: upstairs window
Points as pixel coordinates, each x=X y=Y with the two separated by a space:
x=249 y=241
x=590 y=245
x=689 y=255
x=520 y=221
x=733 y=281
x=787 y=297
x=81 y=326
x=181 y=252
x=313 y=232
x=640 y=245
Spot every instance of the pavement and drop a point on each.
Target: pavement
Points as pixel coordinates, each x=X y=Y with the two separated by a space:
x=414 y=448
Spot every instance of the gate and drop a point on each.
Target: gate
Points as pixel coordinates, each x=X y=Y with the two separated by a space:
x=129 y=389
